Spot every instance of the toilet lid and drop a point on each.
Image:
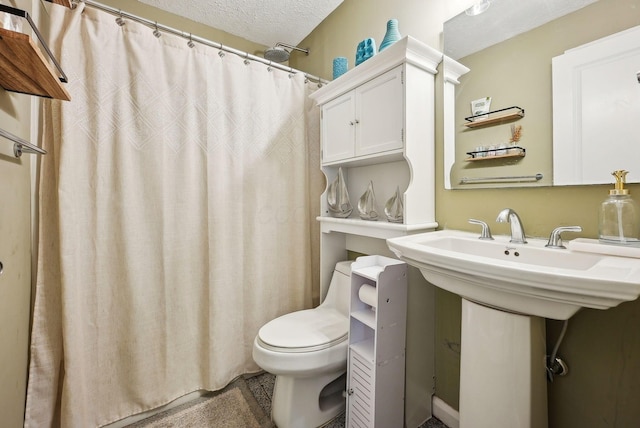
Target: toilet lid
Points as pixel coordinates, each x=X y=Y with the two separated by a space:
x=305 y=331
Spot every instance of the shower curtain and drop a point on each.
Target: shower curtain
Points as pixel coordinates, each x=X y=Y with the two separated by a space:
x=176 y=205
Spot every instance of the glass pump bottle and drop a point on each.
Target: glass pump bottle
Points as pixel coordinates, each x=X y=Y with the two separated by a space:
x=618 y=222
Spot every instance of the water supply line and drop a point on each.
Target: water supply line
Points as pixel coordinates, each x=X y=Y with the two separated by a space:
x=555 y=365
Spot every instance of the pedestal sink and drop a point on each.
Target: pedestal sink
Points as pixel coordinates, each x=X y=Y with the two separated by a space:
x=507 y=290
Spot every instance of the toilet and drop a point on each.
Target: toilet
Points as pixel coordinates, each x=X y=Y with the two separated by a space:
x=307 y=351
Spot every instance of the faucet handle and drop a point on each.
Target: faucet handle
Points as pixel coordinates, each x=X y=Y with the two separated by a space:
x=555 y=239
x=486 y=232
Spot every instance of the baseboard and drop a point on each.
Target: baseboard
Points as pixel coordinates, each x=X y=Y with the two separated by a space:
x=447 y=414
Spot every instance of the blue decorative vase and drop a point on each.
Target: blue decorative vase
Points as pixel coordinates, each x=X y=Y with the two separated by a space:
x=340 y=66
x=392 y=35
x=365 y=50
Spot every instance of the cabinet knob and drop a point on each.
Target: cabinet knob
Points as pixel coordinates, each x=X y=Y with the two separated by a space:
x=351 y=123
x=357 y=121
x=350 y=391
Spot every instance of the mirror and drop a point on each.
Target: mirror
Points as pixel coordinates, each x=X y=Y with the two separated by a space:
x=509 y=50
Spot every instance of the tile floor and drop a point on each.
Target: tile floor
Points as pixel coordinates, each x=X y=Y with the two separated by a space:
x=262 y=388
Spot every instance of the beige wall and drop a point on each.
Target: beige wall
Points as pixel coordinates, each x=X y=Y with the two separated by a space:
x=15 y=247
x=356 y=20
x=602 y=348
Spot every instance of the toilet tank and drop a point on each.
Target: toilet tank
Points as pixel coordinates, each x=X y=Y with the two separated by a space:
x=339 y=288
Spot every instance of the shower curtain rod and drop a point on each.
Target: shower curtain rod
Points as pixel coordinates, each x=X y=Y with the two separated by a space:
x=154 y=25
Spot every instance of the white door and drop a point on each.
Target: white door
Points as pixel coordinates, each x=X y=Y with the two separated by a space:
x=380 y=114
x=596 y=108
x=338 y=128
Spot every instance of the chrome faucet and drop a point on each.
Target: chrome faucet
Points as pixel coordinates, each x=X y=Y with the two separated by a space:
x=486 y=232
x=508 y=215
x=555 y=239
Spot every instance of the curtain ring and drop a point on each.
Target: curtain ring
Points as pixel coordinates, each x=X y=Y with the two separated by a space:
x=120 y=19
x=157 y=32
x=190 y=42
x=291 y=75
x=221 y=54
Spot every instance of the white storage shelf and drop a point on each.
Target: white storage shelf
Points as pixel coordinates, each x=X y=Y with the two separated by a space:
x=365 y=349
x=375 y=381
x=377 y=119
x=365 y=316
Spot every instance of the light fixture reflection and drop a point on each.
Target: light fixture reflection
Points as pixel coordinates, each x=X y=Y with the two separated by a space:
x=478 y=8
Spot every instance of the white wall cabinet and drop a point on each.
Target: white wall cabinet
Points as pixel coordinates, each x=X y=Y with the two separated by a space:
x=377 y=340
x=390 y=99
x=365 y=121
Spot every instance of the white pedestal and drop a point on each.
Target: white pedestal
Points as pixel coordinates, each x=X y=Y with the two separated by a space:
x=502 y=369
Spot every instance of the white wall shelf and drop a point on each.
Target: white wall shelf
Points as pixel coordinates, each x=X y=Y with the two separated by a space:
x=374 y=229
x=495 y=117
x=23 y=66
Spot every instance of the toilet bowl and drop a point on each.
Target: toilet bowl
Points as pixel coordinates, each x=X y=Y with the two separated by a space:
x=307 y=351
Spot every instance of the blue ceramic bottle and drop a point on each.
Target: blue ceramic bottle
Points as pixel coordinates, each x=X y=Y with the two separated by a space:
x=392 y=35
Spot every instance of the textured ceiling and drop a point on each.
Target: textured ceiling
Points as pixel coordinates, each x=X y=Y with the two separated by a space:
x=264 y=22
x=464 y=35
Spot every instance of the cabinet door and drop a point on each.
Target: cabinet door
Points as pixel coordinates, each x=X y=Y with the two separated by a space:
x=338 y=128
x=380 y=114
x=360 y=412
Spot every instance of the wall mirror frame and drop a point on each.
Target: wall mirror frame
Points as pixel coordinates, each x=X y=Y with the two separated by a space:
x=513 y=66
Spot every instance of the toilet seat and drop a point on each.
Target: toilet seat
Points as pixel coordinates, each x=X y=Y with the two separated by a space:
x=304 y=331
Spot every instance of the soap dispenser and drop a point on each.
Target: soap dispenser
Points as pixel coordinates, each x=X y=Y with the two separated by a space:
x=619 y=223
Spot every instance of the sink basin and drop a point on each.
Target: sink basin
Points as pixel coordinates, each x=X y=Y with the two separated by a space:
x=527 y=278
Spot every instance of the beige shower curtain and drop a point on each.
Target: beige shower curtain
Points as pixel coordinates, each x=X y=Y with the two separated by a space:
x=175 y=219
